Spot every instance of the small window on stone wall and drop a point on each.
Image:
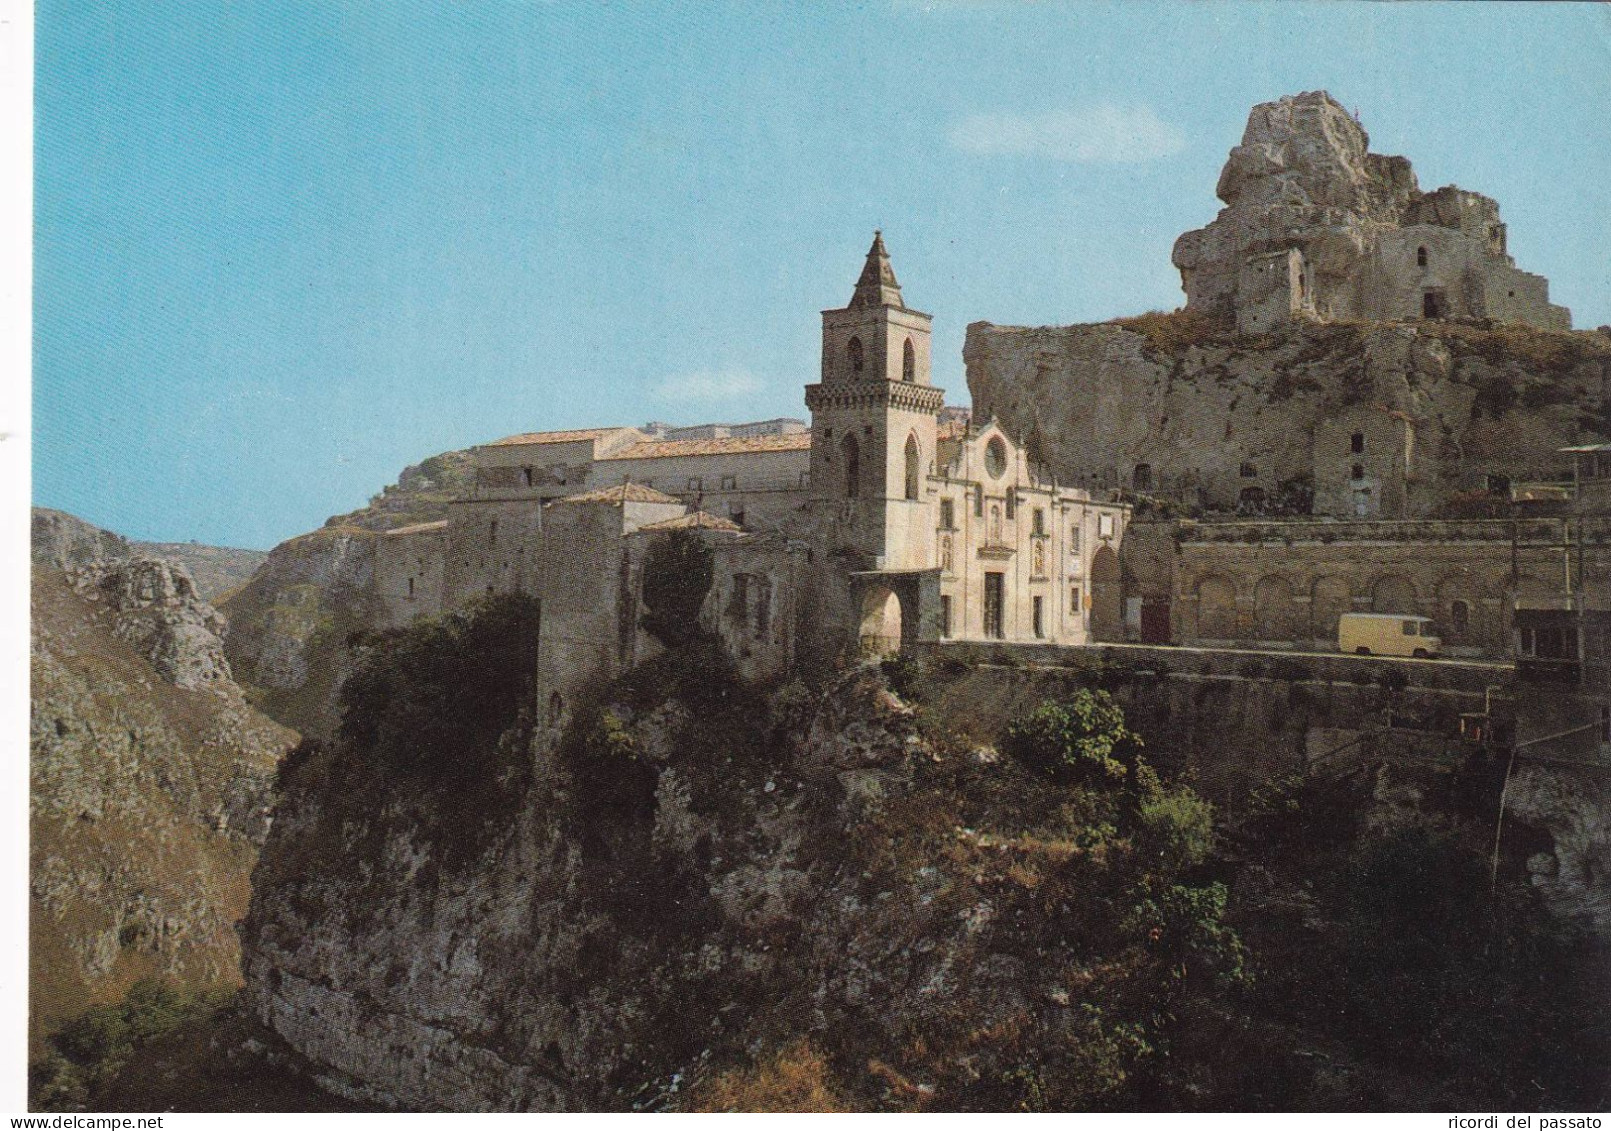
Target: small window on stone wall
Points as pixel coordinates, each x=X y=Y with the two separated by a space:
x=1420 y=257
x=729 y=483
x=853 y=355
x=1356 y=443
x=1359 y=471
x=908 y=362
x=948 y=515
x=1038 y=522
x=1249 y=471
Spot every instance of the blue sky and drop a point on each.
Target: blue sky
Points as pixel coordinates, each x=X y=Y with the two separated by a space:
x=283 y=249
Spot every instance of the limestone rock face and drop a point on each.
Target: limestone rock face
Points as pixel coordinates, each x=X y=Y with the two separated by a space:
x=1209 y=413
x=1315 y=224
x=149 y=788
x=607 y=941
x=158 y=611
x=1574 y=807
x=292 y=623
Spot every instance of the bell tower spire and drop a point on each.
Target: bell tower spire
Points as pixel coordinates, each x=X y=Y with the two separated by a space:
x=877 y=285
x=873 y=421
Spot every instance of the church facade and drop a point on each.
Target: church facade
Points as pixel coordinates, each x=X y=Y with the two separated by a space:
x=889 y=520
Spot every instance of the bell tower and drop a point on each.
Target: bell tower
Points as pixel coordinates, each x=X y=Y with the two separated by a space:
x=873 y=421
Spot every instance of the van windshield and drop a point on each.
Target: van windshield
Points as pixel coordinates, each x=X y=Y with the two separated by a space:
x=1426 y=629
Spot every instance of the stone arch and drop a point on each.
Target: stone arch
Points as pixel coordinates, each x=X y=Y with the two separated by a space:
x=880 y=633
x=914 y=466
x=1216 y=608
x=1329 y=598
x=1107 y=595
x=1275 y=613
x=854 y=355
x=908 y=362
x=1458 y=613
x=1393 y=593
x=851 y=450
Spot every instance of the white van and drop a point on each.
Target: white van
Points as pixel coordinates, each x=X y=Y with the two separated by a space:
x=1387 y=634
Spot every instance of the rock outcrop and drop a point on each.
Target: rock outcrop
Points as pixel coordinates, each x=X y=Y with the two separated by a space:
x=292 y=624
x=1316 y=224
x=1190 y=409
x=149 y=778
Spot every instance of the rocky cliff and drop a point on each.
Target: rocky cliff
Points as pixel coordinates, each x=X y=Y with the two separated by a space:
x=708 y=896
x=149 y=777
x=216 y=570
x=292 y=623
x=1207 y=412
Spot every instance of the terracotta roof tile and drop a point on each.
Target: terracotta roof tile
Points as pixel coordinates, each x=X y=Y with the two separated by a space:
x=696 y=520
x=620 y=493
x=734 y=445
x=561 y=437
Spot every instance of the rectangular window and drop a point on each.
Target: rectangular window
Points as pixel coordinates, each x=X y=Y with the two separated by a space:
x=696 y=484
x=1012 y=502
x=525 y=477
x=1039 y=523
x=994 y=624
x=948 y=517
x=1409 y=628
x=1074 y=606
x=729 y=483
x=978 y=501
x=1074 y=537
x=1605 y=724
x=763 y=606
x=411 y=589
x=945 y=616
x=1038 y=612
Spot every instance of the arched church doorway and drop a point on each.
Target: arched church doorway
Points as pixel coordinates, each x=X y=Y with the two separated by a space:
x=880 y=623
x=1107 y=596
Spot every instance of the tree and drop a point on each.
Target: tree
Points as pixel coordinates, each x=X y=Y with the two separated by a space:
x=1079 y=741
x=677 y=575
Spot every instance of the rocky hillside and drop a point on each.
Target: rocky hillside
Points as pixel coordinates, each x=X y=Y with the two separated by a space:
x=1205 y=407
x=291 y=624
x=149 y=777
x=709 y=896
x=217 y=570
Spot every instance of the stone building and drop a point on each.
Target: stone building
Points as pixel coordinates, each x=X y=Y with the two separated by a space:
x=889 y=520
x=1315 y=225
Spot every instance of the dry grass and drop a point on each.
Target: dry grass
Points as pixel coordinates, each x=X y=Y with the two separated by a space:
x=794 y=1079
x=1174 y=332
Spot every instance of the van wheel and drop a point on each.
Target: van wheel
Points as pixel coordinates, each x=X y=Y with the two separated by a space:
x=1422 y=654
x=1362 y=651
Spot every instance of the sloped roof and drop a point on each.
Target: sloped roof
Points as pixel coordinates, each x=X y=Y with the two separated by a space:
x=733 y=445
x=562 y=437
x=620 y=493
x=695 y=520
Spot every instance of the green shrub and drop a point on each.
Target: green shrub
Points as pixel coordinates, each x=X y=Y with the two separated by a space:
x=433 y=700
x=1177 y=826
x=677 y=575
x=1082 y=740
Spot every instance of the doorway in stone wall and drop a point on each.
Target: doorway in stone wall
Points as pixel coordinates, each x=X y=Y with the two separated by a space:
x=994 y=605
x=1434 y=304
x=880 y=623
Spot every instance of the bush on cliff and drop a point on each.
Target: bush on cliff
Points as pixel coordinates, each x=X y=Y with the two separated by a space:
x=677 y=574
x=1081 y=740
x=433 y=699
